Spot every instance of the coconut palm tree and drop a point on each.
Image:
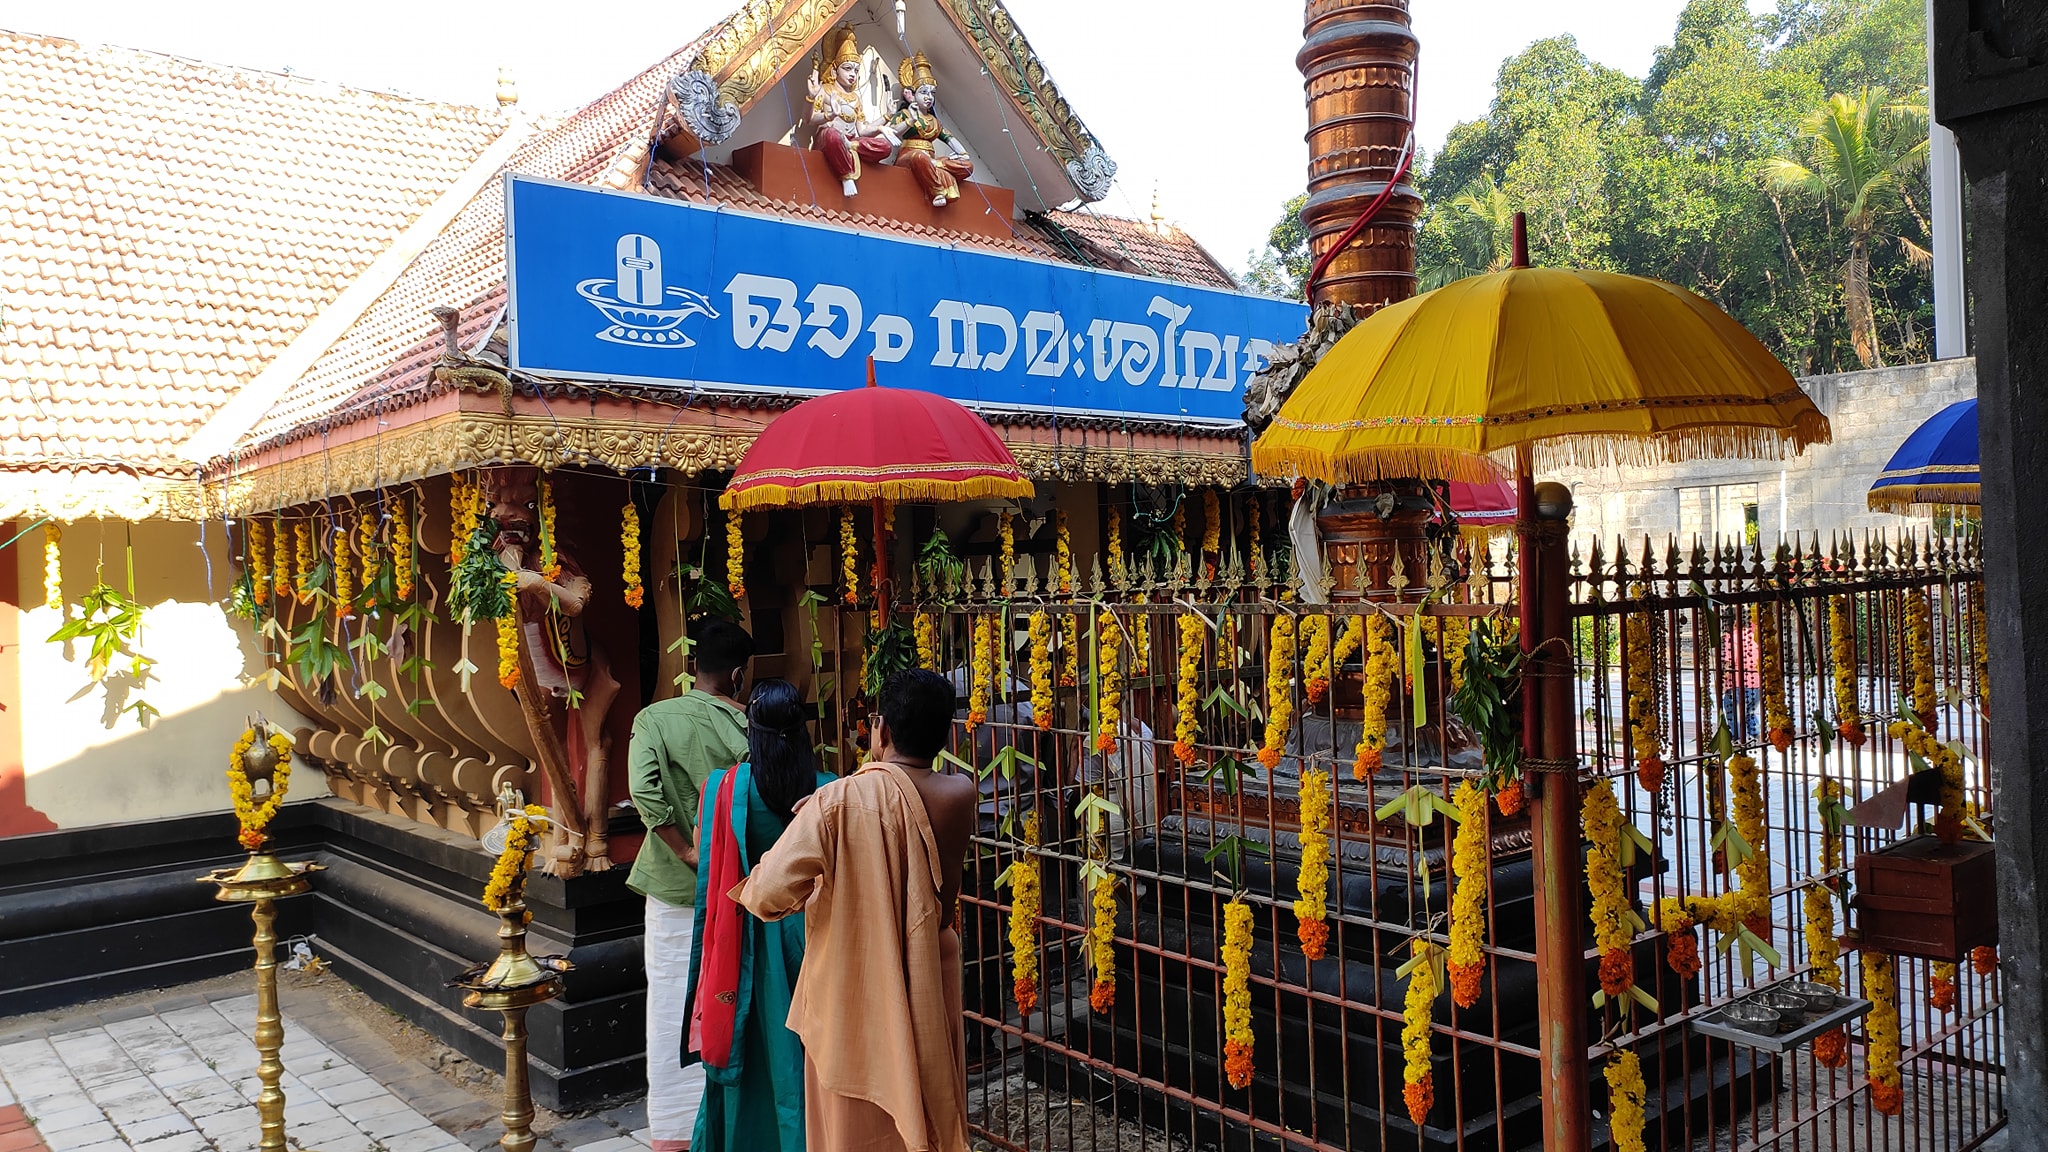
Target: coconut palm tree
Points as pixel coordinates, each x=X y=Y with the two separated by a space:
x=1474 y=235
x=1864 y=151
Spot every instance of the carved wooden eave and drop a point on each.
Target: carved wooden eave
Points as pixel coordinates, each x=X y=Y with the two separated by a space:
x=556 y=426
x=759 y=46
x=68 y=494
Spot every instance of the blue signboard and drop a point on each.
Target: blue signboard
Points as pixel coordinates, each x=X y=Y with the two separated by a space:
x=610 y=286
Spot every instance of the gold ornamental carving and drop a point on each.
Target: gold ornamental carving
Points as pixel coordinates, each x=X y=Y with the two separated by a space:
x=1022 y=76
x=760 y=42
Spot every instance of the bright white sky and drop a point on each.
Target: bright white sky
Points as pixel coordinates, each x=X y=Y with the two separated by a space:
x=1198 y=98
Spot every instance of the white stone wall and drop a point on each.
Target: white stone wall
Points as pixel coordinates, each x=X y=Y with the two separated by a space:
x=1871 y=412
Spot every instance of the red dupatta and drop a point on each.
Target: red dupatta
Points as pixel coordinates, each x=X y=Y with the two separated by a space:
x=722 y=943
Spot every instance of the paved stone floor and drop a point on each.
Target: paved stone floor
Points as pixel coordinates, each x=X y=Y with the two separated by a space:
x=176 y=1072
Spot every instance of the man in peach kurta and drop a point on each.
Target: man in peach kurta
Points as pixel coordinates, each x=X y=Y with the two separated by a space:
x=873 y=861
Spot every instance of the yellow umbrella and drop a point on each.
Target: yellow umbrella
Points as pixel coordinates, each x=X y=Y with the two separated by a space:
x=1584 y=368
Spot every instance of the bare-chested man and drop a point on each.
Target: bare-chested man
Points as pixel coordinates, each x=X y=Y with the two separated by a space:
x=874 y=863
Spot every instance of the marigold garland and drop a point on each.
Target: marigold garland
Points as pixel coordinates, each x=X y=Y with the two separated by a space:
x=1350 y=639
x=1467 y=961
x=1187 y=725
x=344 y=573
x=280 y=561
x=506 y=886
x=1041 y=670
x=849 y=557
x=53 y=566
x=1312 y=880
x=1770 y=649
x=1625 y=1093
x=1237 y=994
x=1453 y=634
x=1831 y=1048
x=465 y=511
x=1418 y=1087
x=926 y=627
x=302 y=542
x=1646 y=740
x=1279 y=690
x=1920 y=697
x=403 y=554
x=368 y=550
x=1109 y=684
x=1984 y=960
x=1753 y=874
x=1180 y=525
x=1063 y=554
x=1024 y=910
x=1881 y=1032
x=1212 y=532
x=736 y=554
x=1006 y=550
x=1941 y=987
x=1102 y=945
x=981 y=665
x=1141 y=639
x=1609 y=908
x=629 y=555
x=1070 y=650
x=1315 y=658
x=1510 y=799
x=257 y=563
x=1380 y=660
x=1842 y=654
x=508 y=633
x=252 y=816
x=1948 y=817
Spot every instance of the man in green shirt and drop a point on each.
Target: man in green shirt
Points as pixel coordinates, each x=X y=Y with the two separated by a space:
x=677 y=745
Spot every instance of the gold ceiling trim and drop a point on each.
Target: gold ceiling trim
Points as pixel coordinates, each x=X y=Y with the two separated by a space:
x=68 y=495
x=760 y=42
x=456 y=441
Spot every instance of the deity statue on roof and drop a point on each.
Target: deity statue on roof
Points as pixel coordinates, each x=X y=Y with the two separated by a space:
x=917 y=130
x=840 y=127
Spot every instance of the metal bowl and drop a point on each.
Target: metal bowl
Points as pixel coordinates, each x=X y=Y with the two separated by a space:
x=1790 y=1006
x=1749 y=1016
x=1819 y=997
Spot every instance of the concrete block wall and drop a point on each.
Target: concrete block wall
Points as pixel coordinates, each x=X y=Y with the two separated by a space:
x=1871 y=411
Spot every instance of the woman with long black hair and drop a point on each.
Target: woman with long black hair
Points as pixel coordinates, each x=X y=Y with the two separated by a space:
x=744 y=969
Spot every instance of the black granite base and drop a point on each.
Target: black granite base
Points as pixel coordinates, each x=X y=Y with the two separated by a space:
x=98 y=912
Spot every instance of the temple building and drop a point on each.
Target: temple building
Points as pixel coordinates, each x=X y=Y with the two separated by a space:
x=281 y=355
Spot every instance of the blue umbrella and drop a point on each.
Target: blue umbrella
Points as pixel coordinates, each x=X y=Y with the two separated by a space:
x=1936 y=465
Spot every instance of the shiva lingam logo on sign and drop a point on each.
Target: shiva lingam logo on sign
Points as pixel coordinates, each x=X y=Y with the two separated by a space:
x=643 y=311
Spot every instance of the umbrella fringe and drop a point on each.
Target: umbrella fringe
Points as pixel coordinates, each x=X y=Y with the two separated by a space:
x=1903 y=498
x=924 y=491
x=1360 y=466
x=1683 y=445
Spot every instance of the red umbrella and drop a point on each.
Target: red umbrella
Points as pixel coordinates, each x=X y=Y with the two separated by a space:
x=1484 y=507
x=869 y=444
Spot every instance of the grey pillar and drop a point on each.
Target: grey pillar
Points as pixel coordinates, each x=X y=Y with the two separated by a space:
x=1993 y=85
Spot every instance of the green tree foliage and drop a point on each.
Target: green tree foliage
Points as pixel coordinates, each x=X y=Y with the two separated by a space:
x=1677 y=175
x=1280 y=268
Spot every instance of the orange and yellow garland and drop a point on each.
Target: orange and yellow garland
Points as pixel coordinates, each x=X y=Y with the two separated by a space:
x=1187 y=687
x=302 y=542
x=1102 y=945
x=1842 y=653
x=926 y=627
x=1279 y=690
x=629 y=555
x=1041 y=670
x=1237 y=994
x=1466 y=965
x=1646 y=740
x=258 y=564
x=368 y=550
x=250 y=815
x=1380 y=662
x=1006 y=550
x=981 y=666
x=1771 y=676
x=1024 y=909
x=1418 y=1089
x=344 y=573
x=1109 y=682
x=403 y=555
x=1609 y=909
x=1312 y=927
x=1881 y=1029
x=849 y=557
x=1212 y=531
x=550 y=554
x=736 y=554
x=1920 y=697
x=1625 y=1093
x=280 y=561
x=1063 y=555
x=1949 y=816
x=1823 y=952
x=506 y=885
x=508 y=633
x=1315 y=657
x=465 y=512
x=1980 y=656
x=1941 y=987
